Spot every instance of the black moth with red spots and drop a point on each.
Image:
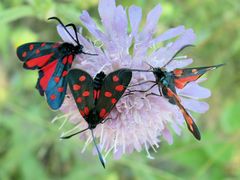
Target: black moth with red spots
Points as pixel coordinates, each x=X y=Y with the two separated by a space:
x=95 y=98
x=53 y=60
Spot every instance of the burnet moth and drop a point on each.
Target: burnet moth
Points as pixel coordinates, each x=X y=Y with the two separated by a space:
x=95 y=98
x=168 y=81
x=53 y=61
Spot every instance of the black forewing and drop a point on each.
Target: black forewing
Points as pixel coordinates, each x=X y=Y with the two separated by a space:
x=183 y=76
x=113 y=87
x=80 y=82
x=35 y=55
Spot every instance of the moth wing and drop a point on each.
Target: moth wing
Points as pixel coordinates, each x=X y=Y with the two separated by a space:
x=183 y=76
x=53 y=81
x=81 y=86
x=189 y=120
x=113 y=87
x=36 y=55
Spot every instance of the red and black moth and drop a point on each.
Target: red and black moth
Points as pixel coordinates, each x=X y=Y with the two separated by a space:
x=168 y=81
x=53 y=61
x=95 y=98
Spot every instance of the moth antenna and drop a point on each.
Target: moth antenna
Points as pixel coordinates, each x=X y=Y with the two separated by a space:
x=182 y=48
x=67 y=137
x=219 y=65
x=57 y=19
x=75 y=30
x=99 y=154
x=151 y=67
x=141 y=70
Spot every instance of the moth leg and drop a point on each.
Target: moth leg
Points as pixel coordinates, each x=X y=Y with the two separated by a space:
x=144 y=82
x=127 y=94
x=143 y=91
x=160 y=90
x=154 y=94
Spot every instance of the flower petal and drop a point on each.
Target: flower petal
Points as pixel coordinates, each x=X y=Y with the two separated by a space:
x=169 y=34
x=194 y=105
x=144 y=38
x=135 y=16
x=167 y=135
x=91 y=26
x=106 y=9
x=64 y=34
x=193 y=90
x=178 y=64
x=164 y=55
x=119 y=29
x=152 y=20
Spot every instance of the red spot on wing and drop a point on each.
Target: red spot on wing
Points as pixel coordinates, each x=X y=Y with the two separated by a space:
x=48 y=71
x=105 y=115
x=37 y=51
x=56 y=45
x=169 y=93
x=65 y=59
x=194 y=71
x=43 y=44
x=85 y=94
x=60 y=89
x=94 y=94
x=79 y=100
x=86 y=111
x=82 y=113
x=39 y=61
x=70 y=59
x=82 y=78
x=98 y=94
x=115 y=78
x=24 y=54
x=76 y=87
x=113 y=101
x=31 y=47
x=53 y=96
x=57 y=79
x=178 y=72
x=108 y=94
x=64 y=73
x=102 y=113
x=181 y=82
x=119 y=88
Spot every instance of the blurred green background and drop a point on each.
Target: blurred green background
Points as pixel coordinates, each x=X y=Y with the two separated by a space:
x=29 y=143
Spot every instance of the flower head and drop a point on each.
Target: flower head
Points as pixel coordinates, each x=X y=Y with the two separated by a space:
x=137 y=122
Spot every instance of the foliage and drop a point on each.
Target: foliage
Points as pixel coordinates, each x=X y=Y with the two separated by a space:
x=29 y=145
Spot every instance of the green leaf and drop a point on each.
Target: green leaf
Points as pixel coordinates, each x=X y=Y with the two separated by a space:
x=12 y=14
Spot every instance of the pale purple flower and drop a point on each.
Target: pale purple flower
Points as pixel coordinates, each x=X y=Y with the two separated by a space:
x=138 y=122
